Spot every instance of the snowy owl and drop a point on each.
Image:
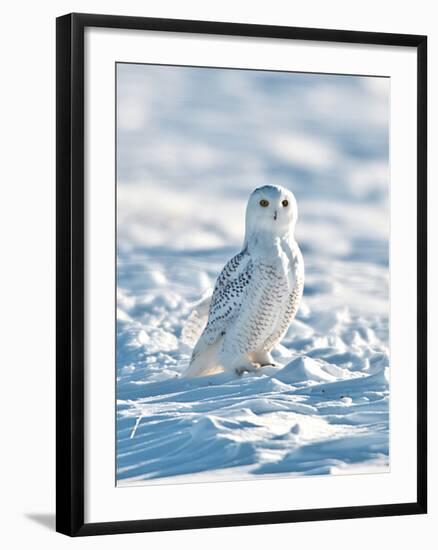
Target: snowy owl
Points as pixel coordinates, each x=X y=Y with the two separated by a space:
x=258 y=292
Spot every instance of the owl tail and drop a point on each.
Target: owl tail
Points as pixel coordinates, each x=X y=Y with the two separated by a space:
x=196 y=322
x=204 y=360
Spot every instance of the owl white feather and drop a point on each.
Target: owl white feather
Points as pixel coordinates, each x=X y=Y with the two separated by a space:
x=258 y=292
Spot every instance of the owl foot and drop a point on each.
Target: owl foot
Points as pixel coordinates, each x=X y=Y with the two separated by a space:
x=250 y=367
x=263 y=358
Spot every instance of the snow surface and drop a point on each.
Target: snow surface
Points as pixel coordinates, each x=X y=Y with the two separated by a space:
x=192 y=144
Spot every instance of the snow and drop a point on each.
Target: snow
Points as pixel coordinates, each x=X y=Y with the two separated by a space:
x=192 y=144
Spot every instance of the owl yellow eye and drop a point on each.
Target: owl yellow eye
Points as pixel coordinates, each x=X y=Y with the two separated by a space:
x=264 y=203
x=285 y=202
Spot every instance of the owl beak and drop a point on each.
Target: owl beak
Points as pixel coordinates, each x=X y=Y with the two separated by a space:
x=275 y=215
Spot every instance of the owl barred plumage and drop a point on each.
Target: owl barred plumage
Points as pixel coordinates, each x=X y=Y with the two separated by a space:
x=225 y=302
x=258 y=292
x=290 y=311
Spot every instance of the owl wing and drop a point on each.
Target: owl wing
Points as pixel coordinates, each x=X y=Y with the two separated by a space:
x=228 y=294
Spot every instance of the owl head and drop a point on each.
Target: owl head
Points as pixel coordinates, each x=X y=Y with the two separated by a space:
x=271 y=209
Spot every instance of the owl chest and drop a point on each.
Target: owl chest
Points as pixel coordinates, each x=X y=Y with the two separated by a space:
x=271 y=291
x=276 y=275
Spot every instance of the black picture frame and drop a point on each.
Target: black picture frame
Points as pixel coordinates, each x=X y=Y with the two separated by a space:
x=70 y=273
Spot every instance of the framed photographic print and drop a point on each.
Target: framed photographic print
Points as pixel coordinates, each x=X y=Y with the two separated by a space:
x=241 y=274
